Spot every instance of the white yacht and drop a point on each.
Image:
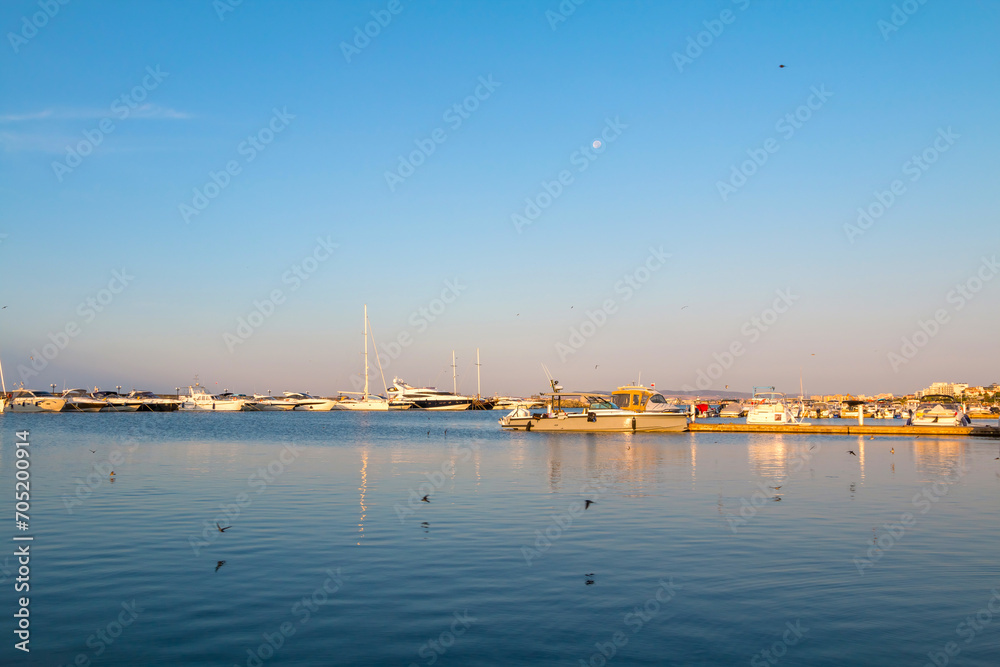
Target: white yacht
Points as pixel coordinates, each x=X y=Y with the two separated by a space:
x=768 y=407
x=261 y=403
x=940 y=411
x=200 y=400
x=78 y=400
x=366 y=401
x=733 y=410
x=115 y=402
x=304 y=402
x=425 y=398
x=25 y=400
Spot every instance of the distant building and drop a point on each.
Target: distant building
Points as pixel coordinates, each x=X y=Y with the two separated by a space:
x=955 y=389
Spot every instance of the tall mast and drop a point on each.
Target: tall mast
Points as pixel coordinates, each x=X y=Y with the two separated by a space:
x=454 y=374
x=366 y=352
x=479 y=389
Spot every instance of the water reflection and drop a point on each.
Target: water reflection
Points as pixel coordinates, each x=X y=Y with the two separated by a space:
x=936 y=457
x=363 y=489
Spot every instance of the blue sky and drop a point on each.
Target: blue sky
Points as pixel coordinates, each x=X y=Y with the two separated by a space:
x=329 y=127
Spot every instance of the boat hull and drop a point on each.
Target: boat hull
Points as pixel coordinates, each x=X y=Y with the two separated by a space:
x=213 y=406
x=595 y=422
x=36 y=405
x=362 y=405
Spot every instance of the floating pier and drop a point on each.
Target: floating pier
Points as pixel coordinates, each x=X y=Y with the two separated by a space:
x=848 y=429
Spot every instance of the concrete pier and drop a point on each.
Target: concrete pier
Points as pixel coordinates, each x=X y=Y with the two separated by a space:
x=849 y=429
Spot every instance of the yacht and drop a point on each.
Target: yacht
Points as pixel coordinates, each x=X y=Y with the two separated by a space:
x=150 y=402
x=425 y=398
x=115 y=402
x=629 y=409
x=78 y=400
x=366 y=401
x=200 y=400
x=25 y=400
x=768 y=407
x=940 y=411
x=509 y=403
x=261 y=403
x=305 y=402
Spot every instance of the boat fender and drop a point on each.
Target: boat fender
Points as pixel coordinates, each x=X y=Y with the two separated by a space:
x=592 y=417
x=527 y=427
x=633 y=424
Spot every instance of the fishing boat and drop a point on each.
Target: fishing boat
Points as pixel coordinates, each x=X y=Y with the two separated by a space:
x=26 y=400
x=601 y=413
x=367 y=401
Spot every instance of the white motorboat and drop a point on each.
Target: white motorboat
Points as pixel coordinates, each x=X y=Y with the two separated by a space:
x=150 y=402
x=940 y=411
x=305 y=402
x=366 y=401
x=509 y=403
x=78 y=400
x=768 y=407
x=629 y=409
x=115 y=402
x=733 y=410
x=198 y=399
x=26 y=400
x=261 y=403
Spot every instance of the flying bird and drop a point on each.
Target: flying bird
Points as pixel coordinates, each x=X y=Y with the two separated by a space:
x=219 y=564
x=780 y=66
x=424 y=499
x=851 y=451
x=221 y=529
x=683 y=307
x=93 y=451
x=587 y=503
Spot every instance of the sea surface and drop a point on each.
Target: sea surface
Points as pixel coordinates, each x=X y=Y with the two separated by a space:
x=689 y=555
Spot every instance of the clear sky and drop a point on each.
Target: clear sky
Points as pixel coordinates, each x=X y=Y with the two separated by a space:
x=431 y=155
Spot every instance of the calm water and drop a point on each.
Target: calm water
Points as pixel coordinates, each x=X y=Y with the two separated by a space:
x=687 y=557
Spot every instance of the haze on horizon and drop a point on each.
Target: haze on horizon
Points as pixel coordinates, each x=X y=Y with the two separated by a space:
x=780 y=190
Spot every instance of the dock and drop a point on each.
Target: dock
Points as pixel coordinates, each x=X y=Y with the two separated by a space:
x=849 y=429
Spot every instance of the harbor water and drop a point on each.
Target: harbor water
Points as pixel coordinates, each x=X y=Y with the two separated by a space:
x=698 y=548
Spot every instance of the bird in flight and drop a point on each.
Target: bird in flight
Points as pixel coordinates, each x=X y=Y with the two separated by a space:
x=425 y=499
x=587 y=503
x=93 y=451
x=683 y=307
x=780 y=66
x=221 y=529
x=219 y=564
x=851 y=451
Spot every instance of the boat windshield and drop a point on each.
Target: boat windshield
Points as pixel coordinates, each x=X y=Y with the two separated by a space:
x=657 y=398
x=621 y=400
x=599 y=403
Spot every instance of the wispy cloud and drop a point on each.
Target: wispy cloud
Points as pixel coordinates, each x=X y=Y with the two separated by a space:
x=149 y=111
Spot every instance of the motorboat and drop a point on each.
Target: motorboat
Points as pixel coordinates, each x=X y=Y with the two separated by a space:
x=200 y=400
x=366 y=400
x=509 y=403
x=940 y=411
x=261 y=403
x=600 y=413
x=305 y=402
x=425 y=398
x=115 y=402
x=26 y=400
x=733 y=410
x=768 y=407
x=78 y=400
x=150 y=402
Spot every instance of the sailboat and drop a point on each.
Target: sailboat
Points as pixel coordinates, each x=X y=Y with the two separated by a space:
x=367 y=401
x=3 y=385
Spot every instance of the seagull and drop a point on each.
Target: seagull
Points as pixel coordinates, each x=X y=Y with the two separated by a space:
x=424 y=499
x=587 y=504
x=93 y=451
x=221 y=529
x=219 y=564
x=850 y=451
x=683 y=307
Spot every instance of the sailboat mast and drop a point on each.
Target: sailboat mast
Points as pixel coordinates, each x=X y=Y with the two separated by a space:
x=366 y=352
x=479 y=389
x=454 y=374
